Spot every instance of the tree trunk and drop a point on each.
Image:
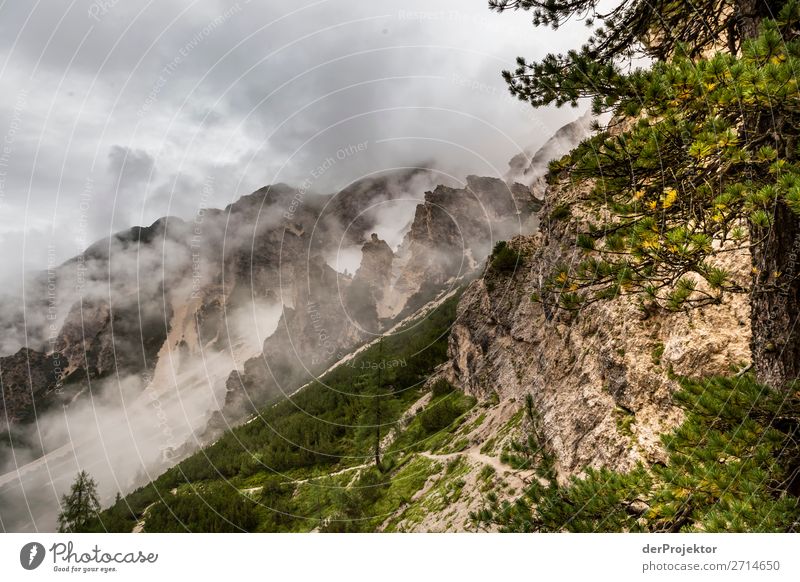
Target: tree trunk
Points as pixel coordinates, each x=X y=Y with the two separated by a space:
x=748 y=17
x=378 y=396
x=378 y=433
x=775 y=301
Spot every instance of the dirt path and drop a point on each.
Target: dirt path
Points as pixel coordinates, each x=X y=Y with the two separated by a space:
x=253 y=490
x=515 y=478
x=139 y=527
x=385 y=444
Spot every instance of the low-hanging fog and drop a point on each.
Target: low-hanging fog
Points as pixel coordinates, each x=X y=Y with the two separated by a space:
x=118 y=113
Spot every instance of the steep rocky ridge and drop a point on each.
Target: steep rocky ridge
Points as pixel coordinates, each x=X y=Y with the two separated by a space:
x=110 y=310
x=455 y=228
x=25 y=378
x=601 y=379
x=178 y=330
x=332 y=313
x=529 y=167
x=243 y=305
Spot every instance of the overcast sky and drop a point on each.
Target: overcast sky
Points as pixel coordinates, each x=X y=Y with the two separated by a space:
x=116 y=112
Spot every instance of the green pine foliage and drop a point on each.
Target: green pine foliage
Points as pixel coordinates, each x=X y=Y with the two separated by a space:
x=621 y=32
x=212 y=509
x=504 y=258
x=692 y=169
x=733 y=465
x=79 y=509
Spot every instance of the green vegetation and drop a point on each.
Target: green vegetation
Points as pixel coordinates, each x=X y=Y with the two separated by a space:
x=560 y=212
x=624 y=419
x=732 y=466
x=446 y=490
x=622 y=31
x=504 y=258
x=212 y=509
x=657 y=353
x=79 y=509
x=701 y=159
x=435 y=425
x=309 y=461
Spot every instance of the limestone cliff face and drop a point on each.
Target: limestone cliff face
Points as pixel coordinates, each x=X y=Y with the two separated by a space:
x=367 y=294
x=27 y=378
x=318 y=330
x=332 y=313
x=601 y=379
x=181 y=290
x=454 y=229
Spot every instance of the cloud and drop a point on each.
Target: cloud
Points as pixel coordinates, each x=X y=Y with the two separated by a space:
x=252 y=93
x=118 y=113
x=130 y=168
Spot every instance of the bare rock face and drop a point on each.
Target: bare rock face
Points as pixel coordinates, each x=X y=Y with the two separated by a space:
x=87 y=326
x=454 y=229
x=308 y=338
x=376 y=263
x=601 y=379
x=365 y=294
x=28 y=380
x=98 y=339
x=111 y=309
x=330 y=314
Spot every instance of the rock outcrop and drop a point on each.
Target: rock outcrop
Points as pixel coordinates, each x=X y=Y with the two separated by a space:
x=27 y=378
x=166 y=314
x=366 y=295
x=602 y=378
x=332 y=313
x=454 y=229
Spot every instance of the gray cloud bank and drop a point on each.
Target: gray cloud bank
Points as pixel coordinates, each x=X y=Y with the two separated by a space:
x=116 y=113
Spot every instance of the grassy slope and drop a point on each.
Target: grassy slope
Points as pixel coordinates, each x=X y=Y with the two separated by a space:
x=308 y=462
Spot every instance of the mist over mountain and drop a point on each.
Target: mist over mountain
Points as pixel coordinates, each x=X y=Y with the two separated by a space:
x=125 y=113
x=382 y=280
x=155 y=340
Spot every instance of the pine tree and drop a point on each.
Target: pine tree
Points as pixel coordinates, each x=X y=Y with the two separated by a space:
x=632 y=28
x=80 y=508
x=699 y=161
x=732 y=465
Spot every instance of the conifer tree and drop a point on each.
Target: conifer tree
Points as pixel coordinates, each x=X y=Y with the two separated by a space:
x=651 y=28
x=733 y=465
x=700 y=159
x=81 y=507
x=377 y=403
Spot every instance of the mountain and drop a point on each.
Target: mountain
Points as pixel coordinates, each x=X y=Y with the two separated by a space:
x=602 y=380
x=421 y=389
x=181 y=329
x=484 y=406
x=418 y=388
x=601 y=341
x=529 y=167
x=404 y=294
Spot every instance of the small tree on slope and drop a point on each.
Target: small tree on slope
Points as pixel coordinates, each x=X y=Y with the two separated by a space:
x=81 y=506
